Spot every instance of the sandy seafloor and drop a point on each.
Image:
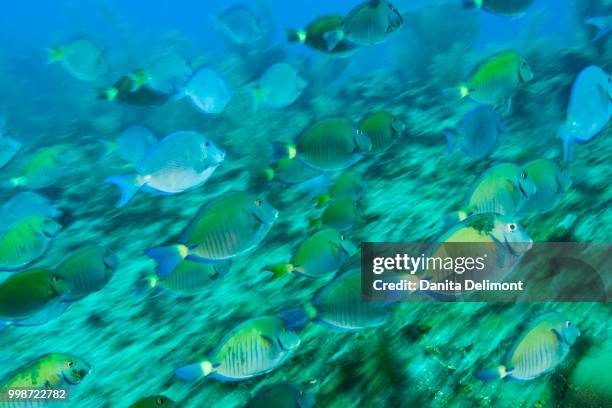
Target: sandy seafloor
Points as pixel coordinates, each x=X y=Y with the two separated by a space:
x=424 y=356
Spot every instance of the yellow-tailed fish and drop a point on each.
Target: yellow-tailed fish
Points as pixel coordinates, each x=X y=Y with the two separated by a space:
x=503 y=189
x=228 y=226
x=382 y=128
x=330 y=144
x=551 y=182
x=321 y=254
x=42 y=170
x=539 y=350
x=129 y=90
x=496 y=80
x=313 y=36
x=253 y=348
x=87 y=271
x=81 y=58
x=340 y=214
x=281 y=395
x=26 y=240
x=348 y=185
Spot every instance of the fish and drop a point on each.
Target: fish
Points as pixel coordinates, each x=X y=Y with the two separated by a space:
x=551 y=182
x=348 y=185
x=321 y=254
x=9 y=146
x=330 y=144
x=80 y=58
x=538 y=350
x=154 y=401
x=500 y=240
x=132 y=144
x=25 y=204
x=87 y=271
x=188 y=278
x=339 y=214
x=512 y=8
x=603 y=24
x=369 y=23
x=255 y=347
x=25 y=241
x=228 y=226
x=477 y=135
x=164 y=74
x=503 y=189
x=281 y=395
x=240 y=25
x=206 y=91
x=496 y=80
x=182 y=161
x=278 y=87
x=382 y=128
x=50 y=371
x=339 y=306
x=313 y=36
x=44 y=168
x=28 y=294
x=128 y=91
x=589 y=109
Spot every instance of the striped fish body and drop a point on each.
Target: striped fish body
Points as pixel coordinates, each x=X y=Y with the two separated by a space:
x=330 y=144
x=26 y=293
x=190 y=278
x=348 y=185
x=87 y=271
x=382 y=128
x=499 y=191
x=541 y=348
x=321 y=254
x=499 y=78
x=340 y=307
x=44 y=168
x=506 y=7
x=26 y=240
x=252 y=348
x=229 y=226
x=341 y=214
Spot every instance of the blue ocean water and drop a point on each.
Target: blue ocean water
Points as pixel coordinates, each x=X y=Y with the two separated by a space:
x=425 y=354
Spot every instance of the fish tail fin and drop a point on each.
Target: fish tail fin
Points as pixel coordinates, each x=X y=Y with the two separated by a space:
x=299 y=317
x=493 y=373
x=168 y=257
x=13 y=183
x=455 y=217
x=470 y=4
x=321 y=200
x=195 y=372
x=108 y=146
x=452 y=139
x=457 y=93
x=262 y=178
x=568 y=146
x=333 y=38
x=107 y=94
x=282 y=151
x=145 y=284
x=600 y=24
x=294 y=36
x=128 y=184
x=54 y=54
x=279 y=270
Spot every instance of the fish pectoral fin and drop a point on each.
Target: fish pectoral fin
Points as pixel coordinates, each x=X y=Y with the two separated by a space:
x=333 y=38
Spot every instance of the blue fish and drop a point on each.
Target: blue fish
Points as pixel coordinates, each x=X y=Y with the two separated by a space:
x=589 y=109
x=477 y=133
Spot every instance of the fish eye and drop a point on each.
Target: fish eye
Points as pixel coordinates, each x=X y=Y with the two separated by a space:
x=160 y=401
x=394 y=118
x=342 y=237
x=207 y=144
x=54 y=278
x=69 y=363
x=568 y=323
x=359 y=131
x=609 y=79
x=524 y=175
x=511 y=227
x=258 y=202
